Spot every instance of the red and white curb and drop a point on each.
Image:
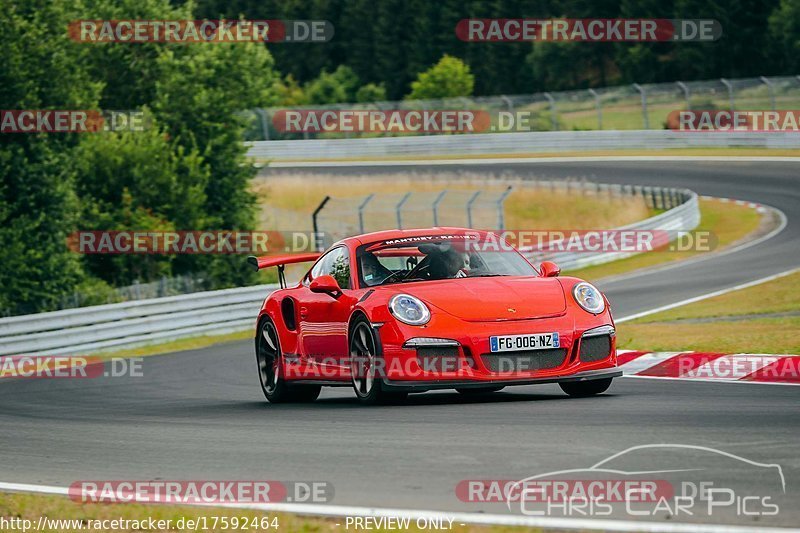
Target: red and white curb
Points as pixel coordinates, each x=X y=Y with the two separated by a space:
x=711 y=366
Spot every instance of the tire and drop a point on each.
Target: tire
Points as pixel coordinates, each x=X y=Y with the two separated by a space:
x=270 y=369
x=480 y=390
x=582 y=389
x=364 y=352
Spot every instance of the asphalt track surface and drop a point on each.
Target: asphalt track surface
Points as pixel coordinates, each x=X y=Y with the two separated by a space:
x=200 y=414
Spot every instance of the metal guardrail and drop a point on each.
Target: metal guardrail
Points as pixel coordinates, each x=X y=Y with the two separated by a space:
x=624 y=107
x=112 y=326
x=513 y=143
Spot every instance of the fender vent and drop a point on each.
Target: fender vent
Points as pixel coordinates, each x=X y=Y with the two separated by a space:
x=288 y=314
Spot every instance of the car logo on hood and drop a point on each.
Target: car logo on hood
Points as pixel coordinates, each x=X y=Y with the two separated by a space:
x=512 y=310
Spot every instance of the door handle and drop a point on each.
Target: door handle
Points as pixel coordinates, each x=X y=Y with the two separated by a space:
x=304 y=312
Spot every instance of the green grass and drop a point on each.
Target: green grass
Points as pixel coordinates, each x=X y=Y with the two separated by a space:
x=32 y=506
x=728 y=221
x=740 y=321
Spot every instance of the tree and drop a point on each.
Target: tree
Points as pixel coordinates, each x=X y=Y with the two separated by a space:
x=331 y=88
x=448 y=78
x=42 y=68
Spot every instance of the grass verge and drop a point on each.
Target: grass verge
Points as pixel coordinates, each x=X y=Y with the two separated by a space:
x=760 y=319
x=33 y=506
x=728 y=221
x=287 y=201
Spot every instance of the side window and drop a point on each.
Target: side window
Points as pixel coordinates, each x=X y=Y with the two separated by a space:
x=335 y=263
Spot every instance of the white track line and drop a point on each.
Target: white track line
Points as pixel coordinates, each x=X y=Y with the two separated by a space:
x=458 y=517
x=525 y=160
x=708 y=295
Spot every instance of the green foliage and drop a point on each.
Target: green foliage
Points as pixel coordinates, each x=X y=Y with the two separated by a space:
x=188 y=171
x=330 y=88
x=371 y=92
x=450 y=77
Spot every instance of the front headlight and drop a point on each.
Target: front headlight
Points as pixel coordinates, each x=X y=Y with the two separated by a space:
x=589 y=298
x=408 y=309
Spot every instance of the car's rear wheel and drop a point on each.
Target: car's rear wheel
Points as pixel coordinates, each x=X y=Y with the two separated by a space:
x=364 y=370
x=582 y=389
x=270 y=369
x=480 y=390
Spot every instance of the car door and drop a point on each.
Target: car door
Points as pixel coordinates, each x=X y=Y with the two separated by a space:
x=323 y=319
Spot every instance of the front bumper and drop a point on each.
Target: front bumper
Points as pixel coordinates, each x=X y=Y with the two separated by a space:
x=422 y=386
x=468 y=345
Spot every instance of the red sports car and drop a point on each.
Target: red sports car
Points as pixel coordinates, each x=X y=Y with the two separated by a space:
x=395 y=312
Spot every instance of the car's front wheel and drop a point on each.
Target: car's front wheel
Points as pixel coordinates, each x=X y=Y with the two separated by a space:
x=270 y=369
x=364 y=369
x=582 y=389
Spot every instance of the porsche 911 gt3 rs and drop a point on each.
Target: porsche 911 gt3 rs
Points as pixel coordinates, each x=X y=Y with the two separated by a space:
x=396 y=312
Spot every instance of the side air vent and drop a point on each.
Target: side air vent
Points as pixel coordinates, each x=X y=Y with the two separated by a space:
x=287 y=311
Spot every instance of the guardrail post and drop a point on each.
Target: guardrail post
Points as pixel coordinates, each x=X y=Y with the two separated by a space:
x=319 y=245
x=399 y=210
x=599 y=107
x=361 y=212
x=436 y=207
x=501 y=219
x=731 y=96
x=553 y=110
x=262 y=114
x=771 y=89
x=686 y=94
x=645 y=118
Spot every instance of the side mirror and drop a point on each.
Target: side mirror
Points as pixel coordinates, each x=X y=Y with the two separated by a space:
x=326 y=284
x=549 y=269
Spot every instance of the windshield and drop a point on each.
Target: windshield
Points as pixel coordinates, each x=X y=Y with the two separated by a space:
x=436 y=260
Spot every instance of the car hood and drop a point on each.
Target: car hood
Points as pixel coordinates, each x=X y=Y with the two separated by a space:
x=493 y=299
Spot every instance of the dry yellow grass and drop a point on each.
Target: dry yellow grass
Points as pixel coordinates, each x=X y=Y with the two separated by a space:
x=739 y=321
x=287 y=201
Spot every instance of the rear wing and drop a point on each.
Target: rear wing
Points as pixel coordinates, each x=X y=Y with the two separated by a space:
x=280 y=261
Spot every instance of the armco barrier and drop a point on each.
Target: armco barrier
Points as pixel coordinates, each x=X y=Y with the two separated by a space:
x=513 y=143
x=107 y=327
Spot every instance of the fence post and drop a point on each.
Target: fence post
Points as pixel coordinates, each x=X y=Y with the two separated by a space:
x=645 y=118
x=361 y=212
x=262 y=114
x=399 y=209
x=318 y=243
x=731 y=97
x=599 y=108
x=469 y=207
x=771 y=88
x=553 y=110
x=686 y=94
x=501 y=219
x=436 y=207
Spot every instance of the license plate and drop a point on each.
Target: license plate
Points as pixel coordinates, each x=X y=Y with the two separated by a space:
x=533 y=341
